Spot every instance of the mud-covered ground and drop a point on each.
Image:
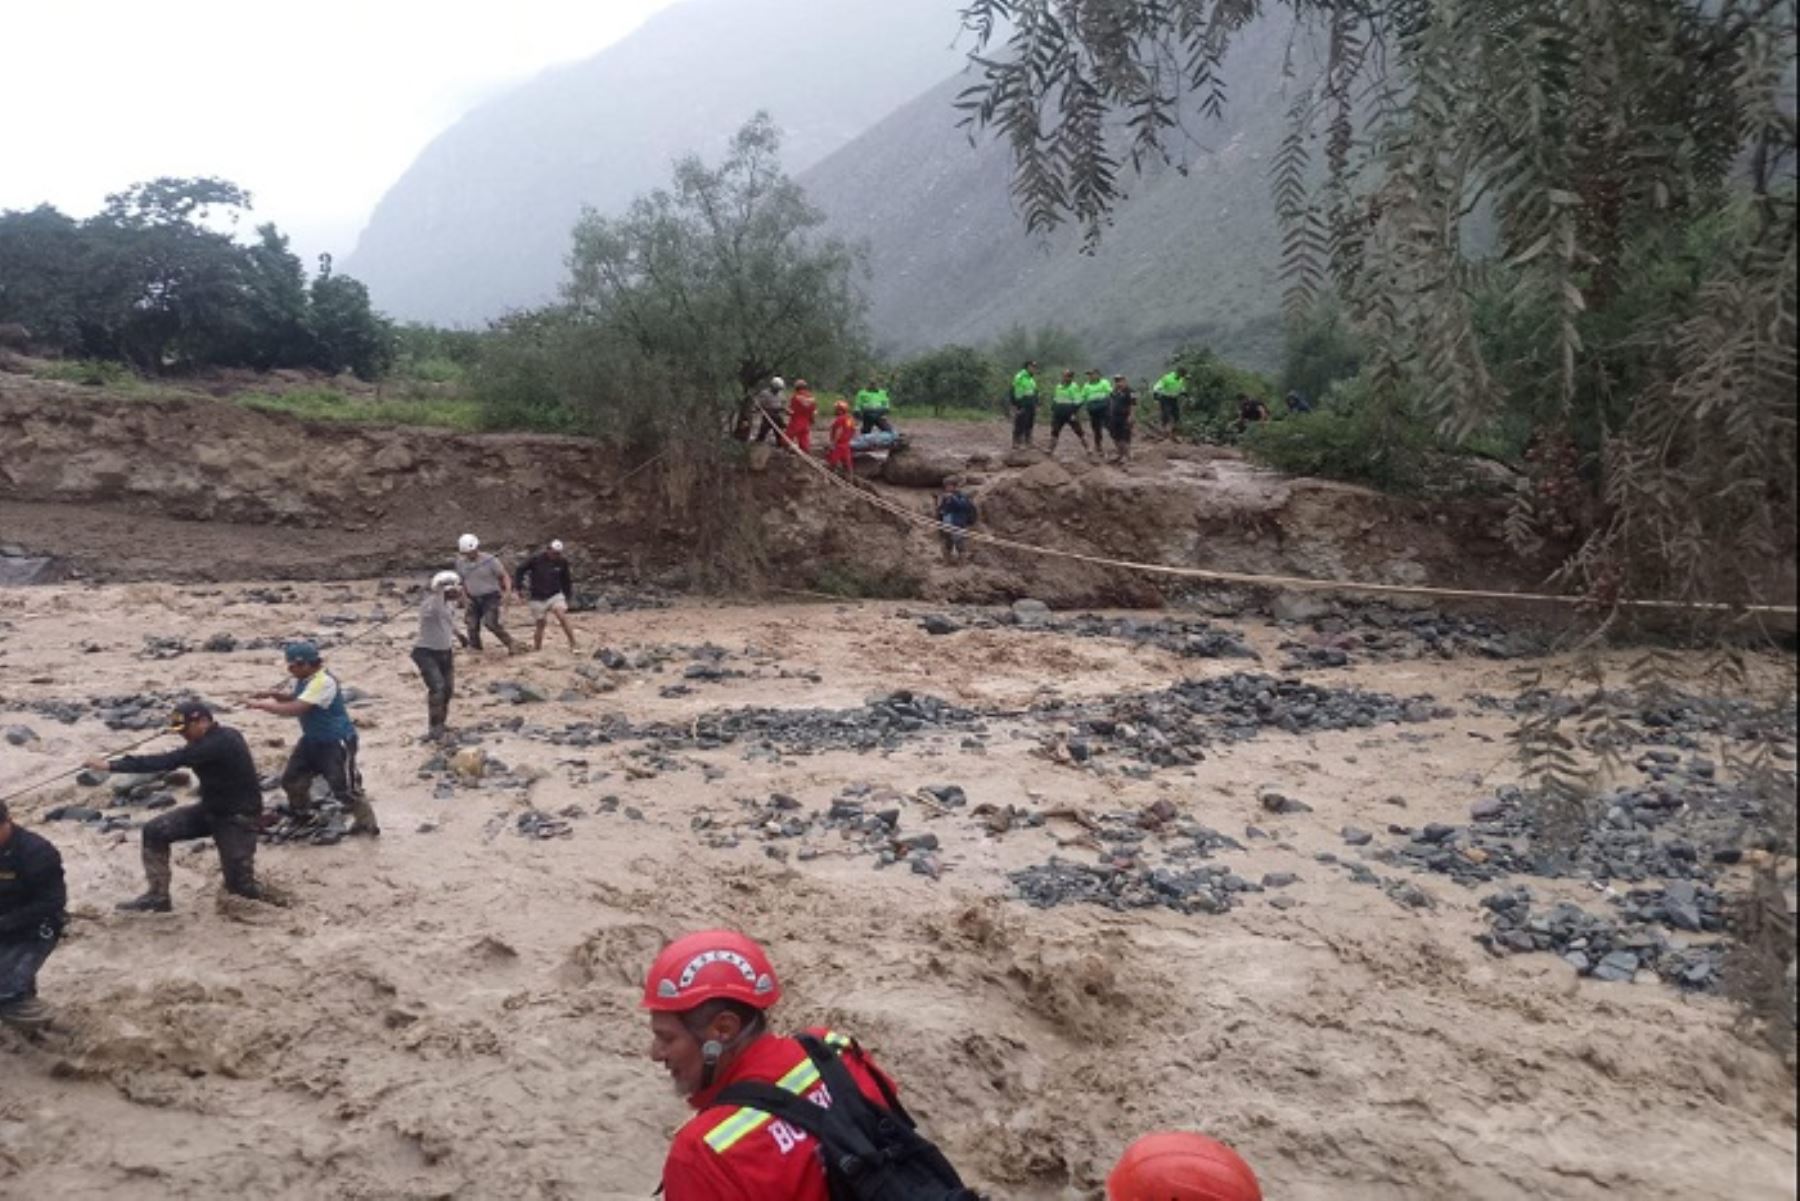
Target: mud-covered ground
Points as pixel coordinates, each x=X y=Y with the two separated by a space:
x=1258 y=907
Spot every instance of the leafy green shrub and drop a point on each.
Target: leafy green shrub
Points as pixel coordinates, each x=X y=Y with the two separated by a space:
x=955 y=377
x=1320 y=351
x=1359 y=445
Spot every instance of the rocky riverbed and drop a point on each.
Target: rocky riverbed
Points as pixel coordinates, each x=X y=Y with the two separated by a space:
x=1072 y=877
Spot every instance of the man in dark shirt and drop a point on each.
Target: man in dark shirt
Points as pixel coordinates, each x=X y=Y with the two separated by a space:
x=549 y=587
x=956 y=516
x=33 y=901
x=229 y=812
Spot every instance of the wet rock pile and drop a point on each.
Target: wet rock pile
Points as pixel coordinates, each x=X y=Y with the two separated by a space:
x=1675 y=829
x=1678 y=721
x=1173 y=727
x=1187 y=638
x=883 y=723
x=1615 y=950
x=142 y=711
x=1207 y=889
x=1384 y=633
x=868 y=820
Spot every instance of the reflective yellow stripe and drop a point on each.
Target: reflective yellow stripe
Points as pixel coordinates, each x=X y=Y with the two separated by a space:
x=747 y=1121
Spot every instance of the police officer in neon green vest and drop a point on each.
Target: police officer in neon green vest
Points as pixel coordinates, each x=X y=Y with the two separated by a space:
x=1096 y=396
x=872 y=405
x=1170 y=391
x=1065 y=409
x=1025 y=405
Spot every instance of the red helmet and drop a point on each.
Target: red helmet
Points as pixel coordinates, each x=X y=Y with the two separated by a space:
x=714 y=965
x=1182 y=1167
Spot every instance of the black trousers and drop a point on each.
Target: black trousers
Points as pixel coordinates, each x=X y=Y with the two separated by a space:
x=1099 y=420
x=316 y=757
x=1024 y=421
x=876 y=421
x=21 y=957
x=1060 y=417
x=439 y=670
x=234 y=834
x=485 y=611
x=770 y=425
x=1171 y=410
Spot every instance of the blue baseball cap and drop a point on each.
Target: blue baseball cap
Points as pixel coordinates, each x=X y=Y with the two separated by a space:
x=301 y=652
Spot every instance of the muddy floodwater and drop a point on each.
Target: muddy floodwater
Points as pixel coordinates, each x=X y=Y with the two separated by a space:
x=1071 y=880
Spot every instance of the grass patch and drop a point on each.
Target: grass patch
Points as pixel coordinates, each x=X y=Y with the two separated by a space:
x=90 y=373
x=327 y=404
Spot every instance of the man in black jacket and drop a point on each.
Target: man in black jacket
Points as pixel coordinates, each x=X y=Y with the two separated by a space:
x=33 y=901
x=229 y=812
x=549 y=586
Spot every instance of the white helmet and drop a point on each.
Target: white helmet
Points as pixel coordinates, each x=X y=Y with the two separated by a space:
x=557 y=546
x=778 y=383
x=445 y=579
x=468 y=544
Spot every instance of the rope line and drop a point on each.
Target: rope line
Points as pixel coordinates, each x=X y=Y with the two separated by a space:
x=1297 y=583
x=74 y=771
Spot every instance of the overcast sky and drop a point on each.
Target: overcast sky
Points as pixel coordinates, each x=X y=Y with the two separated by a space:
x=315 y=106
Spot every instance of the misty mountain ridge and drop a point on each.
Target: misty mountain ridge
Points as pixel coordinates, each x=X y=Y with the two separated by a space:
x=480 y=223
x=865 y=92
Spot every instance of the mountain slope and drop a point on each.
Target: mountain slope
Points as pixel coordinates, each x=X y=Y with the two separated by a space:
x=480 y=223
x=1190 y=258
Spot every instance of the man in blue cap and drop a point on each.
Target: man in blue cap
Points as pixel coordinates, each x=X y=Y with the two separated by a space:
x=328 y=742
x=229 y=812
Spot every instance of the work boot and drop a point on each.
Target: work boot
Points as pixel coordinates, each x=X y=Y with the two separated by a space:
x=150 y=902
x=362 y=821
x=27 y=1013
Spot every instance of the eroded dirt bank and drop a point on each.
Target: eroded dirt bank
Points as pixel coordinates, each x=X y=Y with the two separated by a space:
x=451 y=1013
x=189 y=487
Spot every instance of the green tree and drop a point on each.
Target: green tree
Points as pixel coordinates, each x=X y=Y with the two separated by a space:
x=951 y=377
x=41 y=272
x=1320 y=351
x=349 y=334
x=1582 y=135
x=724 y=275
x=1050 y=346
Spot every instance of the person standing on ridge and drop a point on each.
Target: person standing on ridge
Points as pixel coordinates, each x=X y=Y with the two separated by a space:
x=1065 y=410
x=843 y=433
x=549 y=586
x=1025 y=405
x=1182 y=1167
x=487 y=587
x=435 y=650
x=328 y=742
x=229 y=812
x=957 y=514
x=34 y=905
x=803 y=409
x=1170 y=391
x=771 y=410
x=1096 y=394
x=1122 y=417
x=872 y=406
x=767 y=1108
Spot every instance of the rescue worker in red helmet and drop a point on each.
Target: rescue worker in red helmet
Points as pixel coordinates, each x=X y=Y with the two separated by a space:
x=1182 y=1167
x=709 y=995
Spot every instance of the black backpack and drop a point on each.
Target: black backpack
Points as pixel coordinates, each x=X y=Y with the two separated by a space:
x=869 y=1153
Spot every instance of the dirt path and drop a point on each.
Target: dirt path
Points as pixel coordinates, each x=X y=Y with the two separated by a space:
x=451 y=1013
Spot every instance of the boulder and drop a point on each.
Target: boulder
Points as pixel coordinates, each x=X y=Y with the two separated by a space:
x=911 y=468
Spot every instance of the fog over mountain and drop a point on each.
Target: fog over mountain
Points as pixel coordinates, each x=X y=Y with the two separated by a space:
x=480 y=223
x=1191 y=257
x=864 y=91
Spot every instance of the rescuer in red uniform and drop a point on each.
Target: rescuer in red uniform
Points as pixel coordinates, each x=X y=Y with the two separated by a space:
x=709 y=995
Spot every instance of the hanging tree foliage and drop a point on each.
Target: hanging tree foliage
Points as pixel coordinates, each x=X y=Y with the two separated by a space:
x=1586 y=145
